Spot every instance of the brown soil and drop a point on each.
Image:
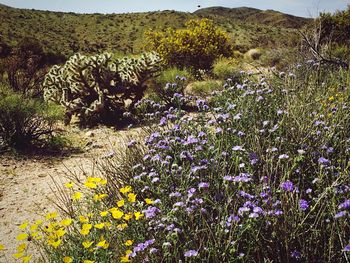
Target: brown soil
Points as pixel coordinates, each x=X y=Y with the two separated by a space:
x=27 y=184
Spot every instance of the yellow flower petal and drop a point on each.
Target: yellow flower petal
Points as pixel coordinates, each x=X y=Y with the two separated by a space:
x=90 y=185
x=23 y=226
x=67 y=259
x=149 y=201
x=2 y=247
x=131 y=197
x=69 y=185
x=77 y=196
x=51 y=215
x=128 y=243
x=138 y=215
x=117 y=214
x=87 y=244
x=88 y=261
x=66 y=222
x=18 y=255
x=125 y=189
x=83 y=219
x=104 y=213
x=121 y=203
x=21 y=247
x=99 y=226
x=26 y=259
x=22 y=236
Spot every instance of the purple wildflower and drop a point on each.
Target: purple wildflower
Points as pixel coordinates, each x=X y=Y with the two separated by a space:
x=323 y=161
x=151 y=212
x=347 y=248
x=303 y=205
x=345 y=205
x=287 y=186
x=203 y=185
x=191 y=253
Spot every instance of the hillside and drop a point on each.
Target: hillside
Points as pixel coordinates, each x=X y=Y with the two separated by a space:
x=66 y=33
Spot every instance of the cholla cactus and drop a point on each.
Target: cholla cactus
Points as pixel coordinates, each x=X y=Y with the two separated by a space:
x=99 y=87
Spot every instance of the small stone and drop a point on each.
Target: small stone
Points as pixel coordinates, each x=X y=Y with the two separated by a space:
x=42 y=175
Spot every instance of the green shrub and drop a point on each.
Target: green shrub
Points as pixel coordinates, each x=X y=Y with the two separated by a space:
x=227 y=68
x=204 y=88
x=25 y=122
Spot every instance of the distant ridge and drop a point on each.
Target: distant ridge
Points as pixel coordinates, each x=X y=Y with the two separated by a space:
x=67 y=33
x=257 y=16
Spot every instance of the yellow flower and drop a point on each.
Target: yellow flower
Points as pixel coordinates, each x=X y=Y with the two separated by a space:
x=36 y=236
x=69 y=185
x=122 y=226
x=102 y=244
x=26 y=259
x=2 y=247
x=117 y=214
x=22 y=236
x=99 y=197
x=132 y=197
x=87 y=244
x=60 y=232
x=66 y=222
x=149 y=201
x=33 y=227
x=125 y=259
x=138 y=215
x=21 y=247
x=104 y=213
x=90 y=185
x=67 y=259
x=39 y=222
x=103 y=182
x=18 y=255
x=23 y=226
x=128 y=243
x=121 y=203
x=83 y=219
x=127 y=216
x=99 y=226
x=52 y=215
x=77 y=196
x=88 y=261
x=55 y=244
x=125 y=189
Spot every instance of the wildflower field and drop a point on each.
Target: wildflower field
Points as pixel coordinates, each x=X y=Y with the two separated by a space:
x=259 y=173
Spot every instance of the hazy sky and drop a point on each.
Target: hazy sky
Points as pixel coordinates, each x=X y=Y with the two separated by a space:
x=295 y=7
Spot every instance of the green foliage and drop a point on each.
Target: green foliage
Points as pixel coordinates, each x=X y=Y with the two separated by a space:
x=195 y=47
x=205 y=87
x=99 y=89
x=25 y=122
x=227 y=68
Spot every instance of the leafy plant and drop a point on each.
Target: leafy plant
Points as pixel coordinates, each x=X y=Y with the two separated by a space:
x=25 y=122
x=195 y=47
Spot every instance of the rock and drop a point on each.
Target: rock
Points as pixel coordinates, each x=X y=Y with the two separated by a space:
x=42 y=175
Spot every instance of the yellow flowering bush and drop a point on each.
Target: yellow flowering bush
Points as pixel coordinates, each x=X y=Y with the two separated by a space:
x=195 y=47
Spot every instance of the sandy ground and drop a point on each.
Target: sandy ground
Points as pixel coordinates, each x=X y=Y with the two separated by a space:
x=27 y=184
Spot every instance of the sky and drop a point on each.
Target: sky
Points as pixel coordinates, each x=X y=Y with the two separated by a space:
x=305 y=8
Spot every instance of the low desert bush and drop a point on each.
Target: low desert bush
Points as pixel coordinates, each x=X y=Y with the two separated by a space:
x=25 y=122
x=205 y=87
x=227 y=68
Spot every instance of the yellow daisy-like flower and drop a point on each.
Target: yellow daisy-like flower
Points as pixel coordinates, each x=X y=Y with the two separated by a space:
x=149 y=201
x=69 y=185
x=125 y=259
x=138 y=215
x=99 y=197
x=26 y=259
x=103 y=182
x=60 y=232
x=99 y=226
x=18 y=255
x=51 y=215
x=55 y=244
x=88 y=261
x=77 y=196
x=21 y=247
x=90 y=185
x=117 y=214
x=121 y=203
x=67 y=259
x=39 y=222
x=33 y=227
x=102 y=244
x=66 y=222
x=128 y=243
x=83 y=219
x=87 y=244
x=2 y=247
x=24 y=225
x=127 y=216
x=104 y=213
x=125 y=189
x=132 y=198
x=22 y=236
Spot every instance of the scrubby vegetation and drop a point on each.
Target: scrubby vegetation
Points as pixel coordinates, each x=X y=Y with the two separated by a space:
x=257 y=171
